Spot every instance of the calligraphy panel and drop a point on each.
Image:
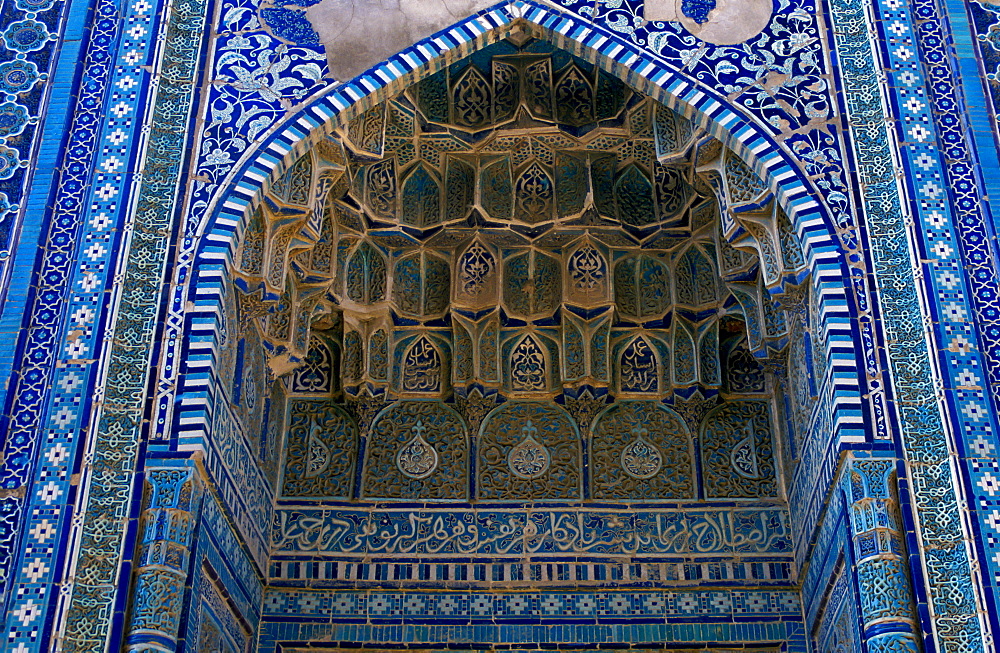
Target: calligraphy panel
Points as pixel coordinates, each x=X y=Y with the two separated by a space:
x=375 y=531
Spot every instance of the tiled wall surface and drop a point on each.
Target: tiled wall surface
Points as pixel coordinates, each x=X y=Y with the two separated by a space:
x=154 y=131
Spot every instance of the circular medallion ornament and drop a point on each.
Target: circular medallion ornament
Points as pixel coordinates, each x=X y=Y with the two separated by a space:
x=13 y=118
x=416 y=458
x=528 y=459
x=17 y=76
x=640 y=458
x=34 y=5
x=26 y=36
x=9 y=162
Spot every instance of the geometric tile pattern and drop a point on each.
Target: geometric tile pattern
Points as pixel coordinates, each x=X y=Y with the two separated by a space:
x=728 y=636
x=63 y=342
x=535 y=574
x=625 y=617
x=936 y=492
x=519 y=607
x=904 y=268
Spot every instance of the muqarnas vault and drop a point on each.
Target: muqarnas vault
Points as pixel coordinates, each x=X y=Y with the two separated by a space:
x=531 y=327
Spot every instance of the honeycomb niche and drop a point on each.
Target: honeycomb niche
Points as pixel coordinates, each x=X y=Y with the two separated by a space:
x=520 y=280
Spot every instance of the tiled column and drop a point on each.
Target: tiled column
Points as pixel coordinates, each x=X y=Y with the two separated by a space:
x=888 y=611
x=172 y=499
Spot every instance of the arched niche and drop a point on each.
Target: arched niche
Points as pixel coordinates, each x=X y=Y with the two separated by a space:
x=642 y=366
x=737 y=451
x=477 y=276
x=417 y=450
x=530 y=363
x=421 y=364
x=529 y=450
x=685 y=153
x=321 y=450
x=641 y=451
x=588 y=275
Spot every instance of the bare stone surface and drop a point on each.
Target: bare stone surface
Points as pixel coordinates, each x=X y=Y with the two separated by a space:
x=731 y=22
x=358 y=34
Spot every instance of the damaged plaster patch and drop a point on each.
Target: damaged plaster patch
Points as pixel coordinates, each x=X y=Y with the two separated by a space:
x=358 y=34
x=720 y=22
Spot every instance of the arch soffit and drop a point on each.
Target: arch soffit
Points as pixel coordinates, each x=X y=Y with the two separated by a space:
x=659 y=80
x=293 y=137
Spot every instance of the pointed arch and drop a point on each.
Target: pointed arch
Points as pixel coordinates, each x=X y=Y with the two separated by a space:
x=366 y=275
x=476 y=282
x=574 y=93
x=421 y=198
x=703 y=107
x=587 y=273
x=696 y=280
x=529 y=366
x=472 y=98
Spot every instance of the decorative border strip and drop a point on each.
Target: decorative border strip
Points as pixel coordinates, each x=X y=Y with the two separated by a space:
x=975 y=229
x=552 y=606
x=106 y=498
x=456 y=531
x=954 y=614
x=325 y=573
x=41 y=53
x=61 y=349
x=286 y=637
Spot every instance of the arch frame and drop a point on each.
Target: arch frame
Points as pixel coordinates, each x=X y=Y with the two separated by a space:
x=626 y=44
x=703 y=106
x=841 y=419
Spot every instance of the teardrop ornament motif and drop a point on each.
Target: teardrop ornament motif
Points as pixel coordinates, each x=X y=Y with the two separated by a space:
x=319 y=454
x=743 y=457
x=640 y=458
x=528 y=459
x=417 y=459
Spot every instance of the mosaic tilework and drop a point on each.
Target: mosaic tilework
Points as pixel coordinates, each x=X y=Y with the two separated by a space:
x=255 y=83
x=969 y=410
x=977 y=58
x=74 y=268
x=119 y=425
x=933 y=479
x=968 y=193
x=28 y=36
x=114 y=157
x=520 y=607
x=830 y=305
x=514 y=618
x=831 y=551
x=518 y=618
x=818 y=466
x=788 y=636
